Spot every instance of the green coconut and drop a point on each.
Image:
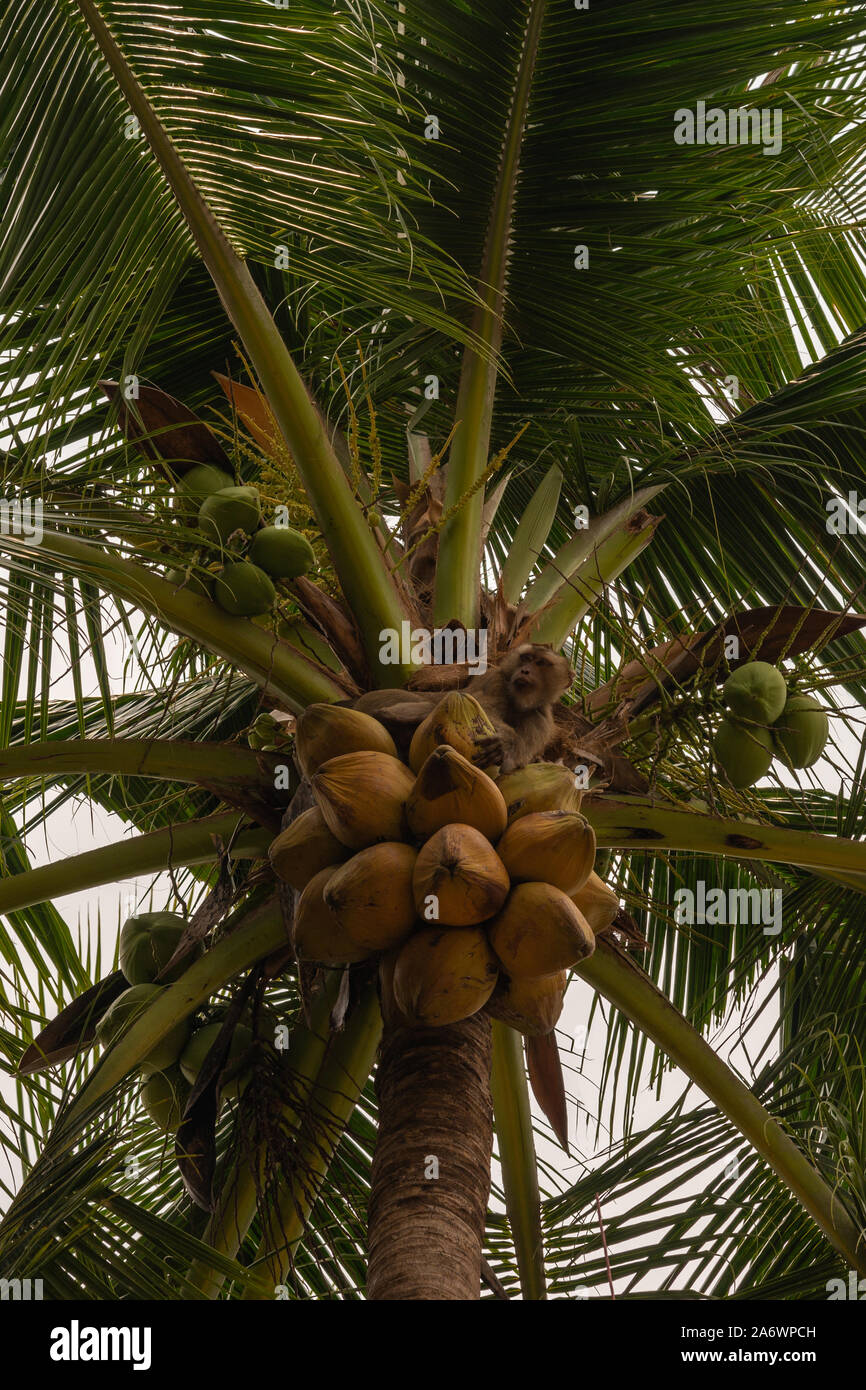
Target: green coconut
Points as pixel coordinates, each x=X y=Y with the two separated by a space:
x=147 y=943
x=282 y=552
x=200 y=1044
x=756 y=692
x=128 y=1007
x=193 y=583
x=743 y=752
x=801 y=731
x=244 y=590
x=264 y=733
x=164 y=1096
x=199 y=482
x=229 y=510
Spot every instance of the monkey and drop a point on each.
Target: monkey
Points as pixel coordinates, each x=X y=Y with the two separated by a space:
x=517 y=696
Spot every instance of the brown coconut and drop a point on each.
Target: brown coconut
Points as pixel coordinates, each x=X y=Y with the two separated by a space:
x=449 y=790
x=457 y=721
x=362 y=797
x=444 y=974
x=371 y=896
x=391 y=1014
x=324 y=732
x=539 y=931
x=555 y=847
x=318 y=936
x=598 y=903
x=531 y=1005
x=460 y=869
x=539 y=787
x=304 y=848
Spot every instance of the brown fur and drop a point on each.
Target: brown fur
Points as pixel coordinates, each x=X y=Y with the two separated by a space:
x=518 y=696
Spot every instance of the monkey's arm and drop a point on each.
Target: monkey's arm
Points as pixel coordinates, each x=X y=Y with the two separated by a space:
x=501 y=748
x=402 y=709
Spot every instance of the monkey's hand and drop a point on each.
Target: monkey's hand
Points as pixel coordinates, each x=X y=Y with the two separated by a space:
x=489 y=751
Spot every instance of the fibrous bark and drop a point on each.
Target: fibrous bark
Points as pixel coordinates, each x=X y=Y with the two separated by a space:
x=431 y=1171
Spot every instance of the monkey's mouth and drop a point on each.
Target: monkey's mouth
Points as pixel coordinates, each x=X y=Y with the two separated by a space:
x=522 y=682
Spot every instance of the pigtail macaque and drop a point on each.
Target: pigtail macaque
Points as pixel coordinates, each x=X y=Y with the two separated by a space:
x=518 y=697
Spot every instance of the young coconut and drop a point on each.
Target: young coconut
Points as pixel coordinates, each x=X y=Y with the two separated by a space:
x=282 y=552
x=744 y=752
x=194 y=1054
x=756 y=691
x=444 y=975
x=540 y=932
x=371 y=896
x=229 y=510
x=147 y=943
x=801 y=731
x=317 y=935
x=459 y=879
x=244 y=590
x=531 y=1005
x=193 y=582
x=458 y=721
x=598 y=903
x=448 y=791
x=200 y=482
x=539 y=787
x=126 y=1010
x=555 y=847
x=304 y=848
x=164 y=1096
x=325 y=731
x=265 y=733
x=362 y=797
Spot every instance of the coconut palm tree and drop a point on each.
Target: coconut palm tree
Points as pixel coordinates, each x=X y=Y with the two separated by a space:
x=523 y=343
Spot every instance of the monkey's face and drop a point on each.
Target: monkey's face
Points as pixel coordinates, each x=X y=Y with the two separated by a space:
x=536 y=676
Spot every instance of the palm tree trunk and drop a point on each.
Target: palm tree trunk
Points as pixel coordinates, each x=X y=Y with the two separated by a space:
x=431 y=1171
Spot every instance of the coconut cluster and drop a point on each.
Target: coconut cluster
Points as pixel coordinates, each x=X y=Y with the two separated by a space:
x=253 y=554
x=473 y=892
x=766 y=721
x=147 y=943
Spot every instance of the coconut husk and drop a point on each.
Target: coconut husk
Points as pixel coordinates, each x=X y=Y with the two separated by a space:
x=449 y=790
x=371 y=896
x=304 y=849
x=318 y=936
x=539 y=787
x=532 y=1006
x=459 y=722
x=327 y=731
x=555 y=847
x=598 y=903
x=459 y=879
x=362 y=797
x=391 y=1015
x=443 y=975
x=539 y=931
